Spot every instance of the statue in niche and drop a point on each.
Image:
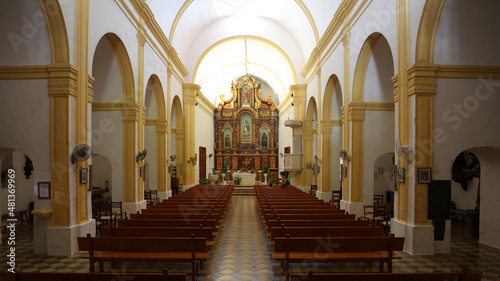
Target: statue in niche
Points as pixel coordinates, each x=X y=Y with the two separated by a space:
x=227 y=142
x=246 y=129
x=264 y=140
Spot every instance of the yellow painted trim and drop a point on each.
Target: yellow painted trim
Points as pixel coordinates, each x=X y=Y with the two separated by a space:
x=346 y=191
x=145 y=12
x=310 y=18
x=56 y=27
x=379 y=106
x=81 y=120
x=427 y=30
x=467 y=71
x=118 y=106
x=285 y=102
x=245 y=37
x=177 y=18
x=362 y=65
x=24 y=72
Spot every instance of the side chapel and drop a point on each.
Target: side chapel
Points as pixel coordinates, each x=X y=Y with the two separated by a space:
x=246 y=129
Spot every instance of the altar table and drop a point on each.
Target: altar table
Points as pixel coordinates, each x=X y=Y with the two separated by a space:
x=247 y=179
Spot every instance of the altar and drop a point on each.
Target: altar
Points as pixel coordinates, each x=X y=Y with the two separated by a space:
x=247 y=179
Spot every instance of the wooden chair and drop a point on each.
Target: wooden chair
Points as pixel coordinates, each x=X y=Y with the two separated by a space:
x=374 y=214
x=389 y=214
x=314 y=188
x=378 y=200
x=336 y=197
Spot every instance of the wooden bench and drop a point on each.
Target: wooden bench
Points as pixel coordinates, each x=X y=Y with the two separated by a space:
x=337 y=231
x=309 y=217
x=434 y=276
x=144 y=249
x=146 y=214
x=168 y=223
x=52 y=276
x=308 y=223
x=205 y=232
x=337 y=249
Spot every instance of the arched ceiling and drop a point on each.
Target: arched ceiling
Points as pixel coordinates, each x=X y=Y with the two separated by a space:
x=221 y=40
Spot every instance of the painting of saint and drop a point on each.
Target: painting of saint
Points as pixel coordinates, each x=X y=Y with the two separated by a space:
x=246 y=129
x=227 y=142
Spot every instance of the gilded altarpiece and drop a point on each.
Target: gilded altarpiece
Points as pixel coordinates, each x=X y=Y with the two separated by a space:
x=246 y=129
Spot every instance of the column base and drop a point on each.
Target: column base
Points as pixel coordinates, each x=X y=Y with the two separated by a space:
x=306 y=189
x=419 y=239
x=164 y=195
x=325 y=196
x=353 y=208
x=61 y=241
x=133 y=208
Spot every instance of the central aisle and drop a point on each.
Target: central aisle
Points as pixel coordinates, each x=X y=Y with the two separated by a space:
x=241 y=251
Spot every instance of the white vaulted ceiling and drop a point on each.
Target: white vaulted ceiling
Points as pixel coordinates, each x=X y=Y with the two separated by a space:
x=221 y=40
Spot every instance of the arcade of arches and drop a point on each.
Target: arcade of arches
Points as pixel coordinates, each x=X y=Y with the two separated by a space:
x=242 y=88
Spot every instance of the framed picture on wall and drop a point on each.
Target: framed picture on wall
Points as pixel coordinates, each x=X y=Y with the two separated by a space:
x=424 y=175
x=84 y=175
x=401 y=174
x=44 y=190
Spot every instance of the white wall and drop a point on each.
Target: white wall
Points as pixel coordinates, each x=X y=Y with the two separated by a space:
x=25 y=39
x=204 y=136
x=285 y=135
x=24 y=188
x=101 y=171
x=467 y=33
x=384 y=181
x=378 y=139
x=150 y=143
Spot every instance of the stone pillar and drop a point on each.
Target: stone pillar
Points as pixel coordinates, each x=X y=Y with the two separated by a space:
x=324 y=188
x=356 y=116
x=298 y=94
x=189 y=95
x=161 y=143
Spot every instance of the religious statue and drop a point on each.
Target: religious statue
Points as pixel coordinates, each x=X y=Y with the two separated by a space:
x=264 y=140
x=246 y=96
x=227 y=142
x=246 y=129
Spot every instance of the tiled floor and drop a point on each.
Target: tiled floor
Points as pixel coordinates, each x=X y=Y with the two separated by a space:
x=242 y=253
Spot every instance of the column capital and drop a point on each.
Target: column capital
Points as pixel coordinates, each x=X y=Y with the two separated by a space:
x=190 y=93
x=422 y=79
x=395 y=90
x=356 y=111
x=130 y=112
x=90 y=88
x=63 y=80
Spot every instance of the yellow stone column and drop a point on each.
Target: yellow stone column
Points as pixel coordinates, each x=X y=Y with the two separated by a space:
x=179 y=151
x=169 y=127
x=84 y=97
x=325 y=127
x=189 y=94
x=422 y=85
x=161 y=150
x=298 y=95
x=62 y=89
x=141 y=38
x=130 y=118
x=345 y=117
x=356 y=119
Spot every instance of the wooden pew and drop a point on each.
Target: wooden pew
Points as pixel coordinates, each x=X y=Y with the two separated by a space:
x=337 y=249
x=309 y=217
x=318 y=223
x=144 y=249
x=337 y=231
x=205 y=232
x=59 y=276
x=168 y=223
x=434 y=276
x=148 y=214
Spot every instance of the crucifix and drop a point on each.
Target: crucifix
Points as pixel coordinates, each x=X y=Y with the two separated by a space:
x=246 y=162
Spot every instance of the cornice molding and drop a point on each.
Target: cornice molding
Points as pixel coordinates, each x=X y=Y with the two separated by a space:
x=24 y=72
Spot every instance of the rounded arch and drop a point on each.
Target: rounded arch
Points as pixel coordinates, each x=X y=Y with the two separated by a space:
x=427 y=30
x=159 y=97
x=361 y=66
x=176 y=113
x=125 y=67
x=311 y=114
x=329 y=97
x=57 y=30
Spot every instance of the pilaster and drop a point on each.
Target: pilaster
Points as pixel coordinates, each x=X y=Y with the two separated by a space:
x=190 y=93
x=325 y=129
x=356 y=117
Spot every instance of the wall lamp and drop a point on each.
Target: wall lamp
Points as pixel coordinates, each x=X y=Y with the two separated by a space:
x=344 y=155
x=141 y=155
x=192 y=160
x=281 y=154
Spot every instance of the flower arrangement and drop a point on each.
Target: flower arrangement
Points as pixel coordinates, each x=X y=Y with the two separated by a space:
x=273 y=181
x=204 y=181
x=265 y=169
x=237 y=180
